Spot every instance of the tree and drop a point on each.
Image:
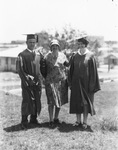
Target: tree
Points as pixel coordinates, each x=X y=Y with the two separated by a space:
x=43 y=39
x=56 y=34
x=94 y=47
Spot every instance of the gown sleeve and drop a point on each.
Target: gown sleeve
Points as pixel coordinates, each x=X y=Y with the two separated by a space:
x=94 y=84
x=20 y=70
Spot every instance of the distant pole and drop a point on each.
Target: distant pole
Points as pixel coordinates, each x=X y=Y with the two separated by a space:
x=109 y=64
x=109 y=58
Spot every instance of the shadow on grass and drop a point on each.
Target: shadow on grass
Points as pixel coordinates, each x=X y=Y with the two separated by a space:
x=63 y=127
x=66 y=127
x=13 y=128
x=18 y=127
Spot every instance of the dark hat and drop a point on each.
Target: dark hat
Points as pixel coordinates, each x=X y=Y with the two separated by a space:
x=32 y=36
x=83 y=39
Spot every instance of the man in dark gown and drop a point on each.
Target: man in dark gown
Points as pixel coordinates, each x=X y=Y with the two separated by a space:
x=28 y=67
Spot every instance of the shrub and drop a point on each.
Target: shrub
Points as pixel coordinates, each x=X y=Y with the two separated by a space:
x=109 y=124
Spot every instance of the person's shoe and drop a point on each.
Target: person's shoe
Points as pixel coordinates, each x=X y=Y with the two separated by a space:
x=35 y=122
x=77 y=124
x=57 y=122
x=84 y=126
x=51 y=124
x=24 y=126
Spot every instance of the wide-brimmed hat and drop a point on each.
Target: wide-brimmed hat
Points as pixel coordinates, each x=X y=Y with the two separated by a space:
x=83 y=39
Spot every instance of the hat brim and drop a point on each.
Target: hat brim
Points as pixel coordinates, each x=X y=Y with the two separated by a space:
x=83 y=39
x=54 y=44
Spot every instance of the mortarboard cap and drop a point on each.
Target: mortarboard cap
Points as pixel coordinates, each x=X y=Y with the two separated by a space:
x=83 y=39
x=32 y=36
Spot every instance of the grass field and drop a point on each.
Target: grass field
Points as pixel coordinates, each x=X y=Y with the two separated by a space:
x=102 y=134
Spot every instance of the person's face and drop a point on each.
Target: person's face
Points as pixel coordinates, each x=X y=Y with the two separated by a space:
x=31 y=43
x=55 y=48
x=81 y=45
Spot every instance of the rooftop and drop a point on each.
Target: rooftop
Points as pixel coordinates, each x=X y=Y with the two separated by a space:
x=12 y=52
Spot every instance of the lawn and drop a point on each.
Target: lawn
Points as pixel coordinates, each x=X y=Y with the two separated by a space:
x=102 y=134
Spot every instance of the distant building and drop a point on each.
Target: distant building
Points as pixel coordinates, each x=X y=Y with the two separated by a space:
x=109 y=54
x=115 y=47
x=111 y=59
x=5 y=46
x=8 y=58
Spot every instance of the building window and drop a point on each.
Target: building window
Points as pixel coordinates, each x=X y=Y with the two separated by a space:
x=13 y=61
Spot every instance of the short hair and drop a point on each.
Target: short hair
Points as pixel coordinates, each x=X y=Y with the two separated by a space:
x=84 y=41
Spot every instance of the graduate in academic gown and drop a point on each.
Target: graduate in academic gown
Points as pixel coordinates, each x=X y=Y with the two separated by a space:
x=84 y=82
x=28 y=67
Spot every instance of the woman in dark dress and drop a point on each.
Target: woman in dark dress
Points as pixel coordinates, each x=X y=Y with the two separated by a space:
x=84 y=82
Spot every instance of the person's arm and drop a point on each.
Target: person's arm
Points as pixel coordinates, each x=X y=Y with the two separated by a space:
x=70 y=71
x=68 y=63
x=43 y=66
x=26 y=79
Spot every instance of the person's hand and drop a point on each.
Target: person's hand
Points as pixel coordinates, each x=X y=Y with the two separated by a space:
x=60 y=65
x=31 y=77
x=66 y=63
x=70 y=87
x=30 y=80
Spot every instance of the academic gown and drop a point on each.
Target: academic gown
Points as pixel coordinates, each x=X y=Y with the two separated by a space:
x=28 y=63
x=84 y=82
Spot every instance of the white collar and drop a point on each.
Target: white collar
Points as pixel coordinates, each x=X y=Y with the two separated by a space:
x=30 y=50
x=86 y=51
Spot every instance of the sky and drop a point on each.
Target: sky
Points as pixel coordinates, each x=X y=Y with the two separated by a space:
x=95 y=17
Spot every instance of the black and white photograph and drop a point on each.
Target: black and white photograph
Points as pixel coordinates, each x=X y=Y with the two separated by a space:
x=59 y=75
